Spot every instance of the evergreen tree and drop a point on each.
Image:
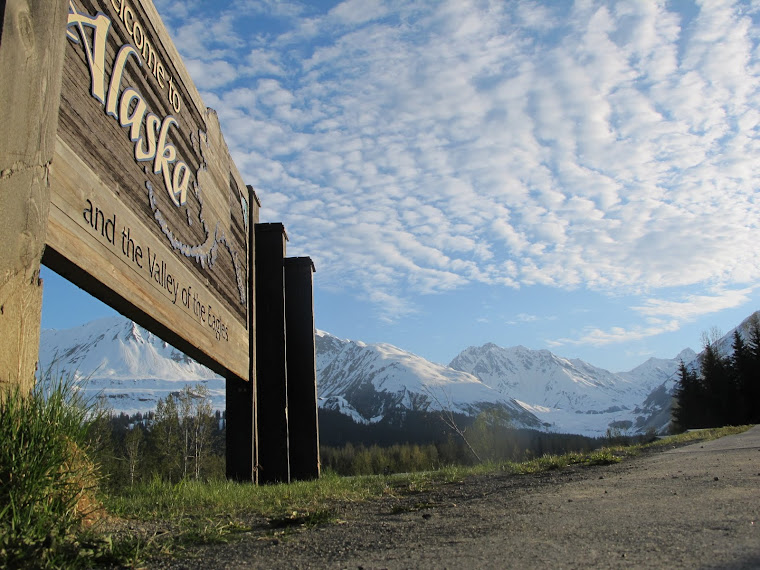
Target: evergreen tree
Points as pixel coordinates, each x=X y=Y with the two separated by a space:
x=688 y=407
x=743 y=369
x=718 y=385
x=750 y=388
x=102 y=441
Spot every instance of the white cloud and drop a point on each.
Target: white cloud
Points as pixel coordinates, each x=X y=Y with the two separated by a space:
x=355 y=12
x=694 y=306
x=419 y=147
x=661 y=316
x=523 y=318
x=211 y=74
x=618 y=335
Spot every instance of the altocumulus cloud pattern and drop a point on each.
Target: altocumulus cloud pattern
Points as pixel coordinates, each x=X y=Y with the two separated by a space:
x=420 y=147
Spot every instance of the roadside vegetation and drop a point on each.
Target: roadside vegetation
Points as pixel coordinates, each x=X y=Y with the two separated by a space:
x=48 y=483
x=184 y=440
x=75 y=492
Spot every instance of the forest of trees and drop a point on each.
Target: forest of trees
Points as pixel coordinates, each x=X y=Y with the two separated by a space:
x=724 y=390
x=185 y=439
x=182 y=439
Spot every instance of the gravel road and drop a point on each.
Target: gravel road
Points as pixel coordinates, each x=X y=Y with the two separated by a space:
x=696 y=506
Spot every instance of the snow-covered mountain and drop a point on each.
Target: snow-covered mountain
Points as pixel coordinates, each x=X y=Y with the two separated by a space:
x=655 y=371
x=544 y=379
x=133 y=369
x=367 y=380
x=130 y=366
x=569 y=395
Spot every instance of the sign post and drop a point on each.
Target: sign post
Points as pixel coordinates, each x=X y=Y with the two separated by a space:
x=241 y=429
x=303 y=424
x=271 y=369
x=31 y=58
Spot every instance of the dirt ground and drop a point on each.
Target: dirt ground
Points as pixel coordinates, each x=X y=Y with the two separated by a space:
x=696 y=506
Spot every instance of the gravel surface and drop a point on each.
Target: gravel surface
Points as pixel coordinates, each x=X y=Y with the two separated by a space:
x=696 y=506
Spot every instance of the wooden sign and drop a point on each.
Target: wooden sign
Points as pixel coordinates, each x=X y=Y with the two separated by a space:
x=147 y=210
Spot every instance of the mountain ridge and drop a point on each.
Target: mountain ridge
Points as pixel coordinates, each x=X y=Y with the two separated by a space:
x=133 y=368
x=567 y=394
x=129 y=366
x=372 y=378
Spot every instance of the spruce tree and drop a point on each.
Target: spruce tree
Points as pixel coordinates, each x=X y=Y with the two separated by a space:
x=717 y=383
x=751 y=388
x=689 y=406
x=743 y=370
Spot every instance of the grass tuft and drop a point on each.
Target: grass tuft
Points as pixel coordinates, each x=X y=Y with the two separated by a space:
x=47 y=482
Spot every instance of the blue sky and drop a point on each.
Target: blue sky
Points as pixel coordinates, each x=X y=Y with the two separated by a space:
x=578 y=176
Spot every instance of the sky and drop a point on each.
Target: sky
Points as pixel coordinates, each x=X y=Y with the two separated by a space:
x=577 y=176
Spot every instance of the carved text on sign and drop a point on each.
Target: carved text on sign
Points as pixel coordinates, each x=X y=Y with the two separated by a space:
x=152 y=132
x=149 y=132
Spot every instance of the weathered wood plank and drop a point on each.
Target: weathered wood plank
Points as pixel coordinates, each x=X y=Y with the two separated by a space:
x=112 y=254
x=140 y=151
x=31 y=58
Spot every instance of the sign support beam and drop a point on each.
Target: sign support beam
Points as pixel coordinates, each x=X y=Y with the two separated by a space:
x=242 y=438
x=241 y=445
x=31 y=59
x=303 y=424
x=271 y=371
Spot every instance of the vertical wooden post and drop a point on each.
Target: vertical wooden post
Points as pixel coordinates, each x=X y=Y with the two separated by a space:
x=271 y=371
x=242 y=439
x=32 y=42
x=303 y=423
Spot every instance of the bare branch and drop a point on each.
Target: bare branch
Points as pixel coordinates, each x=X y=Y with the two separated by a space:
x=446 y=413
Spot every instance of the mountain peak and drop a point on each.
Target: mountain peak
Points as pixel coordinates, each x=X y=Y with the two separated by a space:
x=375 y=378
x=686 y=355
x=132 y=367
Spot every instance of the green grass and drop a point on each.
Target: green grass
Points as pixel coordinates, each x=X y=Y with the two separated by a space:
x=160 y=500
x=47 y=483
x=698 y=435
